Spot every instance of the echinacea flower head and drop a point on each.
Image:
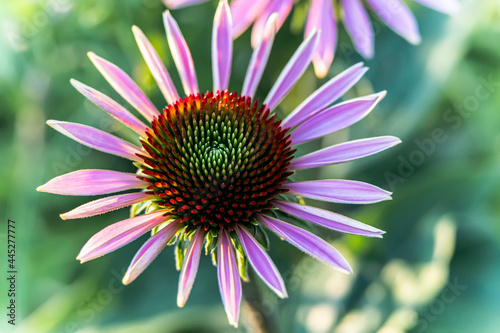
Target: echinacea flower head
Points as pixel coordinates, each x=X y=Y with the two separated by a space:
x=324 y=14
x=214 y=167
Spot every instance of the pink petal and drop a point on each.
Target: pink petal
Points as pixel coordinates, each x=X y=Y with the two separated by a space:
x=222 y=46
x=229 y=279
x=190 y=267
x=149 y=251
x=359 y=27
x=281 y=7
x=107 y=204
x=307 y=242
x=328 y=219
x=445 y=6
x=175 y=4
x=341 y=191
x=259 y=58
x=327 y=94
x=97 y=139
x=344 y=152
x=336 y=118
x=125 y=86
x=181 y=54
x=111 y=107
x=292 y=71
x=262 y=263
x=245 y=12
x=322 y=18
x=156 y=66
x=92 y=182
x=398 y=17
x=119 y=234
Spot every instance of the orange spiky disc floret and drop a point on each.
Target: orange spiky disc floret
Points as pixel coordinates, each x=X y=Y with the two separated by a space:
x=216 y=159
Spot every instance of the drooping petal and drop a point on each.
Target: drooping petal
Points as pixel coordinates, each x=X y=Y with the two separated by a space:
x=359 y=27
x=175 y=4
x=307 y=242
x=111 y=107
x=292 y=71
x=336 y=118
x=222 y=46
x=398 y=17
x=445 y=6
x=97 y=139
x=229 y=279
x=245 y=12
x=108 y=204
x=125 y=86
x=325 y=95
x=281 y=7
x=92 y=182
x=328 y=219
x=190 y=267
x=261 y=262
x=180 y=54
x=259 y=58
x=322 y=17
x=156 y=66
x=149 y=251
x=344 y=152
x=341 y=191
x=119 y=234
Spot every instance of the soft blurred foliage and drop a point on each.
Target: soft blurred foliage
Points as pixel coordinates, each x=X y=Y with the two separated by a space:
x=436 y=269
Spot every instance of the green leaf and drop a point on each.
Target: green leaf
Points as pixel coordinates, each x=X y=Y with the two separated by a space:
x=261 y=236
x=242 y=266
x=180 y=252
x=137 y=208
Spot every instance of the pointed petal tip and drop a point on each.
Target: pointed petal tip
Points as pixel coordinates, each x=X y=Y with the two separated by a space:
x=80 y=259
x=126 y=279
x=281 y=293
x=347 y=271
x=63 y=216
x=233 y=323
x=345 y=268
x=320 y=69
x=77 y=84
x=271 y=25
x=396 y=141
x=368 y=54
x=40 y=188
x=181 y=301
x=414 y=39
x=137 y=32
x=166 y=14
x=313 y=32
x=273 y=17
x=381 y=95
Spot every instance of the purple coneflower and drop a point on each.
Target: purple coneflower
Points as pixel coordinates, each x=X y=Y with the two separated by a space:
x=214 y=167
x=323 y=16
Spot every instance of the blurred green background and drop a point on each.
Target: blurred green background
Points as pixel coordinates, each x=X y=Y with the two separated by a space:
x=436 y=269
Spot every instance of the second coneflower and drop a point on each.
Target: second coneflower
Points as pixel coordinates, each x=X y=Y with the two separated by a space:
x=214 y=166
x=324 y=15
